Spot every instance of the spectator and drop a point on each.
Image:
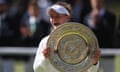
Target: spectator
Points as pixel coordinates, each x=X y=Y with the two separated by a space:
x=8 y=28
x=117 y=35
x=102 y=22
x=44 y=4
x=80 y=9
x=33 y=27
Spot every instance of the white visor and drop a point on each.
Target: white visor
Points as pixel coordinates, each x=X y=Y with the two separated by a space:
x=59 y=9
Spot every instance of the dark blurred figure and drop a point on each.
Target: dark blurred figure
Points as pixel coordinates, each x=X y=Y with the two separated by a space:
x=44 y=4
x=117 y=41
x=33 y=27
x=8 y=28
x=80 y=9
x=102 y=22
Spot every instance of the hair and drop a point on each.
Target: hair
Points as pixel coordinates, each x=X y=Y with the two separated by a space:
x=66 y=5
x=33 y=3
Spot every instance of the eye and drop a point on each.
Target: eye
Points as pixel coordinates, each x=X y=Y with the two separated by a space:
x=54 y=16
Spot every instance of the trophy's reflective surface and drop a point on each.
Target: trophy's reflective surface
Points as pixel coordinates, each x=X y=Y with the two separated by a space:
x=72 y=45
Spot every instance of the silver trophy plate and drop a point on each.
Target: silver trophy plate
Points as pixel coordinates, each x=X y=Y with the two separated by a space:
x=72 y=47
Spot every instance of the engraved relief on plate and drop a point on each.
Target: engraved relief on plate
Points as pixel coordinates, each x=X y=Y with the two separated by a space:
x=72 y=47
x=74 y=50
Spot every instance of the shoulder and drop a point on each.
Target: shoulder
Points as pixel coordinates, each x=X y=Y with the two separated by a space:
x=45 y=39
x=43 y=42
x=109 y=13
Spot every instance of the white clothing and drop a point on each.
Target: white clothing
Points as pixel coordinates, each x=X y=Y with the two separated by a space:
x=42 y=64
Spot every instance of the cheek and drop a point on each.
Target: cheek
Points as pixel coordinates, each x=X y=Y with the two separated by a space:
x=50 y=20
x=65 y=19
x=55 y=20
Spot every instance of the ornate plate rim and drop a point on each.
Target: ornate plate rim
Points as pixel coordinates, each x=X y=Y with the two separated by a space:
x=68 y=67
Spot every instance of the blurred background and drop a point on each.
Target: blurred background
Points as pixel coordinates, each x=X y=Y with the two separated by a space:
x=23 y=23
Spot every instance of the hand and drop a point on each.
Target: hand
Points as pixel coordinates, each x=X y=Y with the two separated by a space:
x=23 y=31
x=30 y=34
x=96 y=56
x=96 y=17
x=46 y=51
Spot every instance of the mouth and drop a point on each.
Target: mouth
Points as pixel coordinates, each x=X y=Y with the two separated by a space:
x=56 y=24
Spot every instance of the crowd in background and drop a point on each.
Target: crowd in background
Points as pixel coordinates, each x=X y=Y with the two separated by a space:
x=25 y=22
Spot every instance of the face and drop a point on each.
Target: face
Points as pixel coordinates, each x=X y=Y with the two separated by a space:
x=3 y=8
x=57 y=19
x=33 y=11
x=96 y=4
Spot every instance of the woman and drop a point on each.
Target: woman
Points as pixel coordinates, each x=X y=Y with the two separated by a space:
x=59 y=13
